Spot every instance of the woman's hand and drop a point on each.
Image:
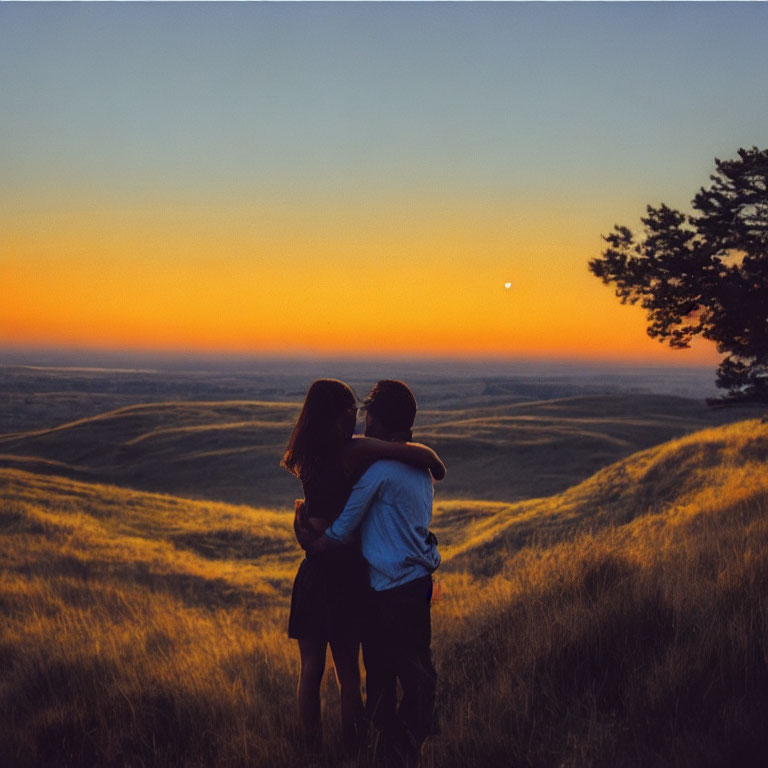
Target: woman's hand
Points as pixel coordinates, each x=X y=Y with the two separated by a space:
x=437 y=468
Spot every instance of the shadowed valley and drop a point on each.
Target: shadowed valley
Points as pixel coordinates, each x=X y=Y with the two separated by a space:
x=231 y=450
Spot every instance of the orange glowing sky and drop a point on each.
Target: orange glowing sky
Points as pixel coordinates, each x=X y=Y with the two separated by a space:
x=394 y=280
x=352 y=178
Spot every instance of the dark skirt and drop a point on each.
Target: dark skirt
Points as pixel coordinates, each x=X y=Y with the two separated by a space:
x=327 y=597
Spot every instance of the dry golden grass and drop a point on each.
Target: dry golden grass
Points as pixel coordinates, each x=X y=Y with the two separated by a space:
x=720 y=465
x=620 y=623
x=640 y=645
x=637 y=636
x=141 y=628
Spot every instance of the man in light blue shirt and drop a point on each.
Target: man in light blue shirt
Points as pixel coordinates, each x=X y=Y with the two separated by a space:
x=391 y=506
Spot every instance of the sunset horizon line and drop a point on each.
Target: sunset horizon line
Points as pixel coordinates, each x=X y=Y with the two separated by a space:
x=32 y=355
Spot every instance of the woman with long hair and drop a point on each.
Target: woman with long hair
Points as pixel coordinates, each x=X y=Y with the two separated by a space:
x=329 y=589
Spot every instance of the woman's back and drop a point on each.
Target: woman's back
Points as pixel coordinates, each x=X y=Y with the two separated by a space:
x=326 y=490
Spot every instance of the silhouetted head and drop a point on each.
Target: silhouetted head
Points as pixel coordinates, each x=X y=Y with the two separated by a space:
x=327 y=420
x=390 y=410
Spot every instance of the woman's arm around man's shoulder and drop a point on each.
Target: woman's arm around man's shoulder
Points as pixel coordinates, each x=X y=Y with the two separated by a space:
x=365 y=450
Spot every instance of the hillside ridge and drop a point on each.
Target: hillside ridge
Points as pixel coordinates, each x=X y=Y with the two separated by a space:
x=231 y=450
x=696 y=471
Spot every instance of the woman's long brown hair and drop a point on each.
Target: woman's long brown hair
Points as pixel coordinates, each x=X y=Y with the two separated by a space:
x=315 y=434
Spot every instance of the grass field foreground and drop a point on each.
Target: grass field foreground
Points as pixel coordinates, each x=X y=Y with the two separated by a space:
x=140 y=629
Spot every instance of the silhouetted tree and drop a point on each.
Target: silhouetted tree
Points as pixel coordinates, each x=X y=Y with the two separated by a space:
x=705 y=274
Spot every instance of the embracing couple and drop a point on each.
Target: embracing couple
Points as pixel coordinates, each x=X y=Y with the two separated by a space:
x=366 y=578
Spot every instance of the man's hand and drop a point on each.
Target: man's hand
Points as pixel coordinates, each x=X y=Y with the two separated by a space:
x=309 y=530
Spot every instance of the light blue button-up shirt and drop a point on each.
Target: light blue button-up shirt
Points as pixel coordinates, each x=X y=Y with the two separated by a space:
x=392 y=506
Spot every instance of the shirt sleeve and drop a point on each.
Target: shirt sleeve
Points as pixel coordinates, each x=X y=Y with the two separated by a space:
x=359 y=501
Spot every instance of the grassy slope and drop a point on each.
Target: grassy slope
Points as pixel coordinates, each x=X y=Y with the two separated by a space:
x=224 y=451
x=114 y=529
x=231 y=450
x=691 y=471
x=638 y=640
x=140 y=628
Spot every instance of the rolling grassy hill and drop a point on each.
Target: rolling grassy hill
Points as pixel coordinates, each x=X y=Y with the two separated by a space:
x=231 y=450
x=691 y=472
x=634 y=637
x=132 y=621
x=622 y=621
x=226 y=451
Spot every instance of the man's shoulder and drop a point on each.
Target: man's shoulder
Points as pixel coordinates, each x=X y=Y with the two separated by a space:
x=387 y=468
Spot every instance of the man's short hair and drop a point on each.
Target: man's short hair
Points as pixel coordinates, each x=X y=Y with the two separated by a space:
x=393 y=404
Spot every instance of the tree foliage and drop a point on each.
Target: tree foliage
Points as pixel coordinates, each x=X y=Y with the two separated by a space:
x=705 y=274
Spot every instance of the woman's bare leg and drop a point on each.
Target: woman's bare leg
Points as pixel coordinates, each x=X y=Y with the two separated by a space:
x=312 y=654
x=346 y=663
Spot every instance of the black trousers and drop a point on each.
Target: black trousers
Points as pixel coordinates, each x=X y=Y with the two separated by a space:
x=396 y=646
